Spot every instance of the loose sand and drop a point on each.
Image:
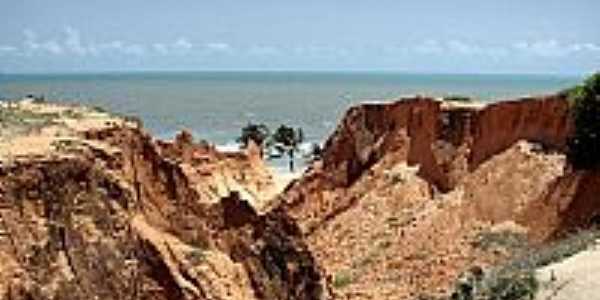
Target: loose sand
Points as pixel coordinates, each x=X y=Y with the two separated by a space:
x=575 y=278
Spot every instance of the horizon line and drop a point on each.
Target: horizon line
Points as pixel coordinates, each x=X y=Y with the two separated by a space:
x=407 y=72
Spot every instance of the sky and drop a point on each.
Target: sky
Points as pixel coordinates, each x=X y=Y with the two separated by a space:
x=433 y=36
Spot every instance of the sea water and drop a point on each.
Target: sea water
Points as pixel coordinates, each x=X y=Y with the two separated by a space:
x=216 y=105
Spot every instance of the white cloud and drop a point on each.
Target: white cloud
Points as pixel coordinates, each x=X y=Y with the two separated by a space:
x=544 y=49
x=120 y=47
x=322 y=51
x=134 y=49
x=94 y=50
x=161 y=48
x=218 y=47
x=52 y=47
x=32 y=44
x=591 y=47
x=114 y=45
x=182 y=44
x=29 y=35
x=429 y=47
x=465 y=48
x=554 y=49
x=73 y=42
x=5 y=48
x=264 y=51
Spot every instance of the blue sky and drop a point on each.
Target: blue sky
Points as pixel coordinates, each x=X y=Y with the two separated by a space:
x=472 y=36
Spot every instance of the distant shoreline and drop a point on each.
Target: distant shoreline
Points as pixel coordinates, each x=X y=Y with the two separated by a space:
x=307 y=71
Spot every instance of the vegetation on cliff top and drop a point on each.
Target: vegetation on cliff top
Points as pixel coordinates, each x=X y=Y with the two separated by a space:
x=458 y=98
x=584 y=146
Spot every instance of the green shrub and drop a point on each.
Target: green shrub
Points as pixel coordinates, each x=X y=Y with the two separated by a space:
x=515 y=280
x=559 y=250
x=196 y=256
x=99 y=109
x=517 y=286
x=489 y=240
x=458 y=98
x=498 y=285
x=341 y=279
x=584 y=146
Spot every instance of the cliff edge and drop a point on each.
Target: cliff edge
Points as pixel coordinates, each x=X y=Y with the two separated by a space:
x=411 y=194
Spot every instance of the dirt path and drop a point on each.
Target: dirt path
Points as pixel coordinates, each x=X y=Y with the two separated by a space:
x=575 y=278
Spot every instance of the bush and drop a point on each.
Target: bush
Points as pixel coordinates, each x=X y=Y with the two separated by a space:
x=584 y=146
x=500 y=285
x=515 y=280
x=489 y=240
x=457 y=98
x=559 y=250
x=341 y=280
x=519 y=286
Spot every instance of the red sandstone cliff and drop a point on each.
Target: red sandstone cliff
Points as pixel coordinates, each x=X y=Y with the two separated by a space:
x=406 y=189
x=107 y=213
x=404 y=200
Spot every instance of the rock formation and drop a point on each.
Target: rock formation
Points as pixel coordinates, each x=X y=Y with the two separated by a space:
x=407 y=196
x=408 y=192
x=112 y=214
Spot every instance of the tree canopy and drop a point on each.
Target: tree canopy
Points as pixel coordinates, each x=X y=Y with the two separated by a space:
x=584 y=146
x=288 y=137
x=258 y=133
x=285 y=140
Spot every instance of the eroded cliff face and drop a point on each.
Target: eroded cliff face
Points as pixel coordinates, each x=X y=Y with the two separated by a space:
x=407 y=196
x=107 y=212
x=445 y=142
x=409 y=193
x=215 y=174
x=436 y=135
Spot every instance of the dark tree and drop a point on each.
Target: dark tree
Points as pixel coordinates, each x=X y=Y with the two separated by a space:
x=584 y=146
x=316 y=152
x=258 y=133
x=286 y=140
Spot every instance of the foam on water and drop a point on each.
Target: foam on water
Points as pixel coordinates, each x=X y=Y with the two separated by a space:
x=229 y=147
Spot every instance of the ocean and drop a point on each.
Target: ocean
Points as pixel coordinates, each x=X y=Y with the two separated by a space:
x=215 y=105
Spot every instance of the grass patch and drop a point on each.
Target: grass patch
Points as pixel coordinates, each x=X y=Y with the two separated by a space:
x=513 y=286
x=72 y=114
x=516 y=279
x=395 y=222
x=501 y=285
x=559 y=250
x=196 y=256
x=384 y=244
x=342 y=279
x=99 y=109
x=458 y=98
x=490 y=240
x=25 y=121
